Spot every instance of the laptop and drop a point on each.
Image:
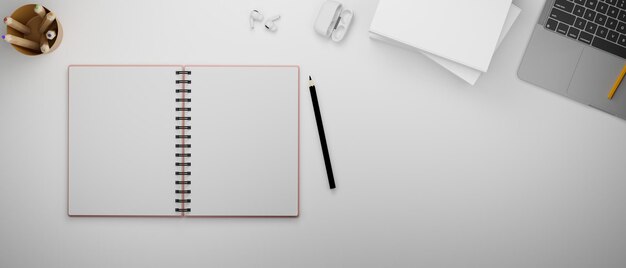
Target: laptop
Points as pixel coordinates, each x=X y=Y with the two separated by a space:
x=578 y=49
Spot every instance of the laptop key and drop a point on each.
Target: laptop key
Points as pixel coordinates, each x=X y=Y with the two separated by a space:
x=590 y=14
x=611 y=2
x=611 y=23
x=585 y=37
x=622 y=40
x=579 y=11
x=602 y=32
x=621 y=27
x=562 y=16
x=591 y=27
x=609 y=47
x=551 y=24
x=600 y=19
x=573 y=32
x=591 y=4
x=564 y=5
x=613 y=12
x=580 y=2
x=602 y=7
x=622 y=16
x=621 y=4
x=612 y=36
x=562 y=28
x=580 y=23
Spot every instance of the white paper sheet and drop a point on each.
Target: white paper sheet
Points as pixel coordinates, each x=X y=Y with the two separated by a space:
x=466 y=73
x=244 y=141
x=121 y=141
x=459 y=30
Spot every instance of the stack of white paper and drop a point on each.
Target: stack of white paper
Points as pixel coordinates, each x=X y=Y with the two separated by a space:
x=460 y=35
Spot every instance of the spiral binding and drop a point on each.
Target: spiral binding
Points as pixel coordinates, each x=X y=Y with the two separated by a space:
x=183 y=145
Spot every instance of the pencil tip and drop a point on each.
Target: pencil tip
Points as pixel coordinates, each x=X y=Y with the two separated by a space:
x=310 y=78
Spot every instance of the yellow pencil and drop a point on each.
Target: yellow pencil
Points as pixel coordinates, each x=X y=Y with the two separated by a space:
x=18 y=41
x=50 y=17
x=17 y=25
x=620 y=77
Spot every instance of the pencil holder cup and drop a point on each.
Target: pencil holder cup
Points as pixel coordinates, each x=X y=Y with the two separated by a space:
x=26 y=15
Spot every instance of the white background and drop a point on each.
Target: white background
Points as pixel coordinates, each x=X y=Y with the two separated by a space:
x=430 y=171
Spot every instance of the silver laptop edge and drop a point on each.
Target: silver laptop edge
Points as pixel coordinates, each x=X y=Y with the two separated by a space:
x=574 y=69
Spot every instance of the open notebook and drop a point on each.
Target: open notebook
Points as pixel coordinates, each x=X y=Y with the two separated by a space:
x=183 y=141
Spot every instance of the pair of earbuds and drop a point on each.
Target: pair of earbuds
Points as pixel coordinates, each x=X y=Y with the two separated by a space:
x=270 y=24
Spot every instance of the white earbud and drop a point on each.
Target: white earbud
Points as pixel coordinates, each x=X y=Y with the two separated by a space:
x=270 y=25
x=255 y=15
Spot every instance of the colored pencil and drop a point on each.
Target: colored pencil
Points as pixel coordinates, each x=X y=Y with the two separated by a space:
x=51 y=34
x=41 y=12
x=50 y=17
x=43 y=44
x=18 y=41
x=17 y=25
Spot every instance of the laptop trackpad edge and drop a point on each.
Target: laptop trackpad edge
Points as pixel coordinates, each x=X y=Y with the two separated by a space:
x=596 y=73
x=550 y=60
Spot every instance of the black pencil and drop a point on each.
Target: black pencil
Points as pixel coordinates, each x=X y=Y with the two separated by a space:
x=320 y=130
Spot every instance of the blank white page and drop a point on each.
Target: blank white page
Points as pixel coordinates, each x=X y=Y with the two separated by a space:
x=121 y=141
x=244 y=137
x=468 y=74
x=459 y=30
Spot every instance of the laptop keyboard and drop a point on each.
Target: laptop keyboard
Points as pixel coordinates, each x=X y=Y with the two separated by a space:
x=598 y=23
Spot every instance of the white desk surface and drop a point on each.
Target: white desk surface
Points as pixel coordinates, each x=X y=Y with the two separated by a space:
x=430 y=171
